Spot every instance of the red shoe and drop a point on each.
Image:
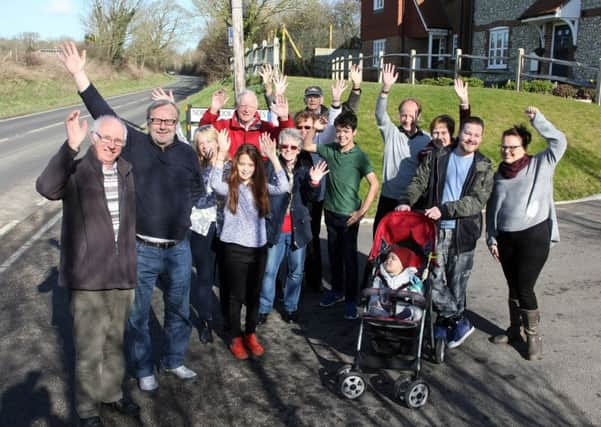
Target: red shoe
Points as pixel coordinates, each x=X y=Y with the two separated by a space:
x=237 y=349
x=252 y=344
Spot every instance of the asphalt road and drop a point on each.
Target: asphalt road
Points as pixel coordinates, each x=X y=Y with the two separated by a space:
x=293 y=384
x=28 y=142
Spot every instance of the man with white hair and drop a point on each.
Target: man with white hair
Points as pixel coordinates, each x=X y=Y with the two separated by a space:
x=245 y=126
x=98 y=257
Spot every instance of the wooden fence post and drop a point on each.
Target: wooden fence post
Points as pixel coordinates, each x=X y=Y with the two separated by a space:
x=412 y=67
x=380 y=65
x=458 y=58
x=350 y=64
x=276 y=53
x=333 y=68
x=518 y=69
x=598 y=87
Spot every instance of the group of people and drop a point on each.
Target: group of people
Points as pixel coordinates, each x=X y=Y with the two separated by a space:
x=140 y=210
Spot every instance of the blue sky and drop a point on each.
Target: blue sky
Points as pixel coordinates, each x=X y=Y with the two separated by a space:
x=52 y=18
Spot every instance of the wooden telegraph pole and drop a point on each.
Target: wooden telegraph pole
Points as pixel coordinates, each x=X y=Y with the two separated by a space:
x=239 y=80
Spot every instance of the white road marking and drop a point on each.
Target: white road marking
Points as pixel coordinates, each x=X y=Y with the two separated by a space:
x=14 y=257
x=8 y=227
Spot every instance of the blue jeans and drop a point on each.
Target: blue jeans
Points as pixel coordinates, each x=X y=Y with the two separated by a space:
x=449 y=282
x=174 y=266
x=205 y=261
x=342 y=252
x=294 y=279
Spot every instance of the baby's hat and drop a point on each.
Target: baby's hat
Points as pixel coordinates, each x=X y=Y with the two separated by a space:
x=407 y=256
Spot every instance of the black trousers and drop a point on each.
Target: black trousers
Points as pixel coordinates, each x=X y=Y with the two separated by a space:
x=342 y=252
x=313 y=265
x=242 y=274
x=523 y=255
x=385 y=205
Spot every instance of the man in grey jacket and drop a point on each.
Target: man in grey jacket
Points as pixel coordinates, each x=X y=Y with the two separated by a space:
x=98 y=257
x=402 y=144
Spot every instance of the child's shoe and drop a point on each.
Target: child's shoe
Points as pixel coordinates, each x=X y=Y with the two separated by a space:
x=252 y=344
x=350 y=311
x=237 y=349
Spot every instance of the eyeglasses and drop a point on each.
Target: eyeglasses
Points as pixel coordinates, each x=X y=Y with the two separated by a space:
x=510 y=148
x=304 y=127
x=156 y=121
x=288 y=147
x=105 y=139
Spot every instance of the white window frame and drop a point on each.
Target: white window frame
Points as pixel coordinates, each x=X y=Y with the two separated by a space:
x=498 y=47
x=377 y=46
x=378 y=5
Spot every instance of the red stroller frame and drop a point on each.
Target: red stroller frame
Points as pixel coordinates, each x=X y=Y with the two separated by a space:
x=418 y=233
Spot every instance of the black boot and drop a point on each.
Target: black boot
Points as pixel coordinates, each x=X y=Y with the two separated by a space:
x=513 y=334
x=205 y=333
x=531 y=319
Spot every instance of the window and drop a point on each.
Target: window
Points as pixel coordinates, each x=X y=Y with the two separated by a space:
x=378 y=5
x=498 y=45
x=379 y=46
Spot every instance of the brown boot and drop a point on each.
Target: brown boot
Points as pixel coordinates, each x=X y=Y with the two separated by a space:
x=531 y=319
x=513 y=334
x=237 y=348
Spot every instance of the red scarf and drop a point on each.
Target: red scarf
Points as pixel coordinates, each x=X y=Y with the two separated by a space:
x=508 y=171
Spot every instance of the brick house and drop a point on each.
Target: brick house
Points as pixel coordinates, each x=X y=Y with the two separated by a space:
x=428 y=26
x=567 y=29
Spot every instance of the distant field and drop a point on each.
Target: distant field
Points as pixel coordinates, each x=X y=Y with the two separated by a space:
x=28 y=90
x=578 y=174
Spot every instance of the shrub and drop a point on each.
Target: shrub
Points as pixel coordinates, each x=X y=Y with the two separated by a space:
x=437 y=81
x=538 y=86
x=586 y=93
x=565 y=91
x=473 y=81
x=509 y=85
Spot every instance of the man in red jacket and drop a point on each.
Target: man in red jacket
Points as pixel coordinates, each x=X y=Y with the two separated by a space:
x=246 y=125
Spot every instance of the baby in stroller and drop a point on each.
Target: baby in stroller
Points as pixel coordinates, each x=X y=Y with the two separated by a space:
x=398 y=271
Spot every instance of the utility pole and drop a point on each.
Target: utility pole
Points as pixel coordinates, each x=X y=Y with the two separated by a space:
x=239 y=80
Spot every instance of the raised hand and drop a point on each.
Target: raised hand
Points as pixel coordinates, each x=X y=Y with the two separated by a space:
x=71 y=59
x=389 y=76
x=318 y=171
x=76 y=131
x=218 y=100
x=266 y=73
x=268 y=147
x=280 y=84
x=321 y=122
x=159 y=94
x=338 y=87
x=280 y=107
x=223 y=144
x=461 y=91
x=355 y=74
x=531 y=112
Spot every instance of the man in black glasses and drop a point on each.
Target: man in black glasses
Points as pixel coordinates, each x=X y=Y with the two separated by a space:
x=168 y=181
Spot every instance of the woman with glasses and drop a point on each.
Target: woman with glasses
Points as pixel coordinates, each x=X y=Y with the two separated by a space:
x=522 y=224
x=289 y=225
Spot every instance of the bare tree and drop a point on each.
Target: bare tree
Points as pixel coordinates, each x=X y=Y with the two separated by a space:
x=155 y=32
x=108 y=26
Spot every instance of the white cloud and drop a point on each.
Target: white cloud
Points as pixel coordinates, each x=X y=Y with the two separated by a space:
x=60 y=7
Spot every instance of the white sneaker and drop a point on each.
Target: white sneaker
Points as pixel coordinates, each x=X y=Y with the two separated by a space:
x=182 y=372
x=148 y=383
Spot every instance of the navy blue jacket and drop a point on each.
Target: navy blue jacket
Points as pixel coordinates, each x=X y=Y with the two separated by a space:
x=302 y=192
x=167 y=182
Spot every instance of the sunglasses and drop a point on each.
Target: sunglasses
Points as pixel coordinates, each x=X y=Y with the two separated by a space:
x=304 y=127
x=288 y=147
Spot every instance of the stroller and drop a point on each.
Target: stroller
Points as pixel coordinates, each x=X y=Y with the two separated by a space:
x=391 y=342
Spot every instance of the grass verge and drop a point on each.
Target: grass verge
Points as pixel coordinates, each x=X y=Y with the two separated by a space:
x=578 y=173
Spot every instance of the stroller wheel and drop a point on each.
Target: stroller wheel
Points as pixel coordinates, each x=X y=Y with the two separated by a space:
x=351 y=385
x=416 y=395
x=342 y=371
x=439 y=350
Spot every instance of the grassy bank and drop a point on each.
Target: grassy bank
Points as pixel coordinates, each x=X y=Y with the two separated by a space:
x=26 y=90
x=578 y=174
